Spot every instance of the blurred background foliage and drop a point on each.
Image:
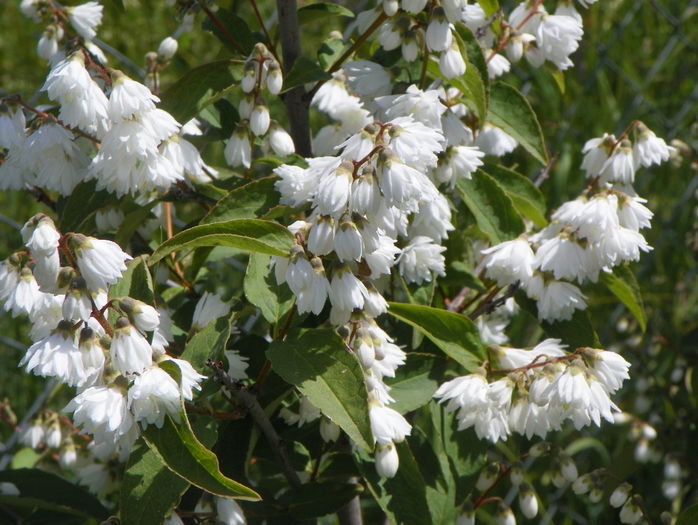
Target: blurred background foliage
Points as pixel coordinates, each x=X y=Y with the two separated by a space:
x=638 y=60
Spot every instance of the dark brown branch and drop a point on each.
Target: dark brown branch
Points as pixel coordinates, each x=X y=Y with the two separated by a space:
x=297 y=104
x=492 y=304
x=249 y=401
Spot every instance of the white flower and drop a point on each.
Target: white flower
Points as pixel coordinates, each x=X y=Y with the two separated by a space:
x=48 y=43
x=610 y=368
x=85 y=18
x=504 y=515
x=387 y=460
x=259 y=120
x=167 y=48
x=153 y=395
x=40 y=235
x=633 y=214
x=329 y=431
x=103 y=412
x=423 y=106
x=374 y=303
x=466 y=392
x=413 y=6
x=620 y=166
x=414 y=143
x=209 y=308
x=334 y=190
x=101 y=262
x=142 y=315
x=528 y=502
x=557 y=37
x=649 y=149
x=237 y=364
x=280 y=141
x=25 y=295
x=509 y=261
x=631 y=511
x=382 y=259
x=565 y=258
x=77 y=304
x=438 y=35
x=458 y=162
x=387 y=425
x=346 y=291
x=410 y=46
x=190 y=378
x=621 y=494
x=312 y=297
x=275 y=79
x=368 y=79
x=433 y=219
x=296 y=185
x=347 y=242
x=494 y=141
x=129 y=98
x=596 y=152
x=238 y=150
x=421 y=257
x=557 y=300
x=130 y=351
x=229 y=512
x=497 y=66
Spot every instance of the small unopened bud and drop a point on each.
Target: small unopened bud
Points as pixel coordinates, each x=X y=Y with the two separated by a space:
x=596 y=494
x=246 y=106
x=621 y=494
x=528 y=501
x=468 y=515
x=504 y=514
x=516 y=473
x=539 y=449
x=167 y=48
x=249 y=76
x=631 y=511
x=387 y=460
x=582 y=484
x=275 y=79
x=568 y=467
x=364 y=348
x=488 y=475
x=259 y=120
x=280 y=141
x=390 y=7
x=329 y=431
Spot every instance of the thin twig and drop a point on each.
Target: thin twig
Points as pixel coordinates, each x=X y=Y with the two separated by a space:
x=491 y=305
x=214 y=20
x=250 y=402
x=545 y=172
x=270 y=42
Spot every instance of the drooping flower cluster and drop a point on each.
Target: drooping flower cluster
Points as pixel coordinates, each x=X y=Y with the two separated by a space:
x=539 y=389
x=590 y=234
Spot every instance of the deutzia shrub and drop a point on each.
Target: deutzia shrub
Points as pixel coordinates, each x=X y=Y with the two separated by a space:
x=329 y=281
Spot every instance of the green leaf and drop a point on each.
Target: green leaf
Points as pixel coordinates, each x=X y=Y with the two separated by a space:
x=235 y=27
x=510 y=111
x=207 y=343
x=558 y=77
x=474 y=84
x=261 y=289
x=54 y=490
x=25 y=458
x=149 y=490
x=455 y=334
x=200 y=87
x=83 y=201
x=490 y=7
x=136 y=282
x=415 y=382
x=249 y=201
x=465 y=276
x=403 y=498
x=577 y=332
x=624 y=286
x=303 y=72
x=313 y=500
x=177 y=446
x=251 y=235
x=527 y=199
x=493 y=209
x=688 y=516
x=318 y=363
x=320 y=11
x=330 y=51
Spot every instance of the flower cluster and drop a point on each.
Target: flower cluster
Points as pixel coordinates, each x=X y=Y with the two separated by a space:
x=540 y=389
x=590 y=234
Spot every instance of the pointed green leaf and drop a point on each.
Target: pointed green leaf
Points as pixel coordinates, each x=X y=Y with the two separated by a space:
x=688 y=516
x=235 y=27
x=318 y=363
x=261 y=289
x=207 y=343
x=320 y=11
x=303 y=72
x=455 y=334
x=200 y=87
x=474 y=84
x=178 y=448
x=415 y=382
x=510 y=111
x=527 y=199
x=493 y=209
x=136 y=282
x=624 y=286
x=251 y=235
x=47 y=488
x=490 y=7
x=249 y=201
x=74 y=210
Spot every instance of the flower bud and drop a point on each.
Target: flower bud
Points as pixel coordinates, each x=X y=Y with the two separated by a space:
x=259 y=120
x=77 y=305
x=329 y=431
x=275 y=79
x=631 y=511
x=143 y=316
x=528 y=501
x=582 y=484
x=387 y=460
x=516 y=474
x=539 y=449
x=390 y=7
x=439 y=31
x=487 y=476
x=167 y=48
x=246 y=106
x=621 y=494
x=54 y=436
x=468 y=515
x=364 y=348
x=280 y=141
x=410 y=46
x=568 y=467
x=249 y=76
x=238 y=150
x=504 y=515
x=451 y=63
